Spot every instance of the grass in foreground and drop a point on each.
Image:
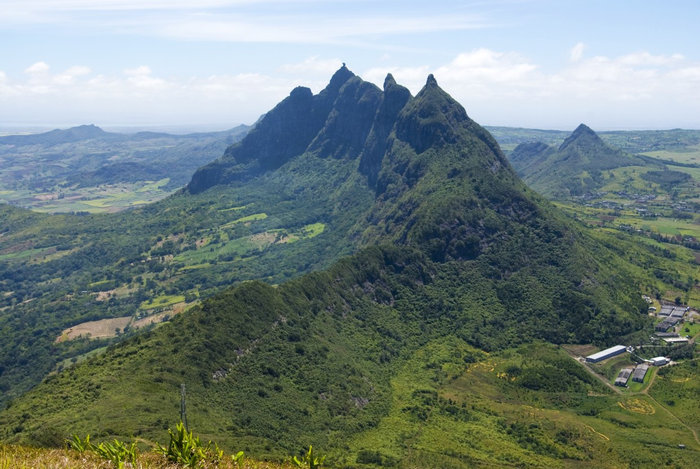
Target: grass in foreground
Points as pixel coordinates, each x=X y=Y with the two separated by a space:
x=21 y=457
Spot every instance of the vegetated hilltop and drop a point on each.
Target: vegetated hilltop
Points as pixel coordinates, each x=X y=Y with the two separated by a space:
x=572 y=169
x=458 y=259
x=673 y=144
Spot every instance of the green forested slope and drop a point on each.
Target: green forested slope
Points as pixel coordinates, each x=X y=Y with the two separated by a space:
x=457 y=259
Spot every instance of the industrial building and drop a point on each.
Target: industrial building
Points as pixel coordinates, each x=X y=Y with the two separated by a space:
x=639 y=373
x=666 y=310
x=667 y=323
x=666 y=335
x=623 y=377
x=679 y=312
x=605 y=354
x=659 y=361
x=676 y=340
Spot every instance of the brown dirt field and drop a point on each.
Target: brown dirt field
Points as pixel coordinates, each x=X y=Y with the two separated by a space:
x=156 y=318
x=46 y=197
x=104 y=295
x=17 y=248
x=263 y=239
x=96 y=329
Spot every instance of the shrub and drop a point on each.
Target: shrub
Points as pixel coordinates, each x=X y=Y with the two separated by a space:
x=187 y=450
x=309 y=460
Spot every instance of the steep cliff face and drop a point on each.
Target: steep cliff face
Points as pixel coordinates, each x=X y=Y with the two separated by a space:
x=379 y=140
x=333 y=121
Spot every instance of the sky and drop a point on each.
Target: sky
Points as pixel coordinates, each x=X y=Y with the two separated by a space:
x=546 y=64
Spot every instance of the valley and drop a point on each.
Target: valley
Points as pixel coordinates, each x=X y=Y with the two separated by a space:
x=87 y=170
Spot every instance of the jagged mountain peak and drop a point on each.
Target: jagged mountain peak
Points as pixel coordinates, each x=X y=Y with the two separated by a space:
x=339 y=78
x=389 y=81
x=582 y=133
x=301 y=91
x=349 y=118
x=431 y=81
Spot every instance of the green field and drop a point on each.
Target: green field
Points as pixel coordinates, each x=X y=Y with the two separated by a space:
x=162 y=301
x=249 y=218
x=232 y=209
x=105 y=198
x=693 y=329
x=690 y=154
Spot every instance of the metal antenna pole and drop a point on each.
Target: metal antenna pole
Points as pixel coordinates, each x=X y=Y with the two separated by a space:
x=183 y=410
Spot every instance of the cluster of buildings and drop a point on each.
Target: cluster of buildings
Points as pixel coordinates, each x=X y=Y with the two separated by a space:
x=637 y=374
x=673 y=315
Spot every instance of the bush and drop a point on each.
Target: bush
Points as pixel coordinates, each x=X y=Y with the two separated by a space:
x=187 y=450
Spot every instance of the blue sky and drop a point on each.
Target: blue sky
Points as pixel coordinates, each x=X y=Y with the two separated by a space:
x=538 y=63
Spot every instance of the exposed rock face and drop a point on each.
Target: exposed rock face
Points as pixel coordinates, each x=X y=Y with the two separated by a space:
x=337 y=120
x=350 y=118
x=394 y=99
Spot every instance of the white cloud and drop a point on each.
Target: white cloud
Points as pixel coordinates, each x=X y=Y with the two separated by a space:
x=312 y=65
x=688 y=73
x=68 y=77
x=499 y=88
x=78 y=70
x=645 y=58
x=246 y=21
x=634 y=90
x=577 y=52
x=138 y=71
x=37 y=68
x=479 y=74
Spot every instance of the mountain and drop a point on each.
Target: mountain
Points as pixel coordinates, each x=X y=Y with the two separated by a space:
x=58 y=136
x=456 y=263
x=572 y=169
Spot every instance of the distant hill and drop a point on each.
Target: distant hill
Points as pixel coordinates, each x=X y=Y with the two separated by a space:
x=34 y=167
x=454 y=257
x=572 y=169
x=58 y=136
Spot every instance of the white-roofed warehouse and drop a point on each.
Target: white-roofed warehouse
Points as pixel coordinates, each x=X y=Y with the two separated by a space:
x=607 y=353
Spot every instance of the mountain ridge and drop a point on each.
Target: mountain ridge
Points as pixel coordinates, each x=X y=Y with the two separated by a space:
x=454 y=252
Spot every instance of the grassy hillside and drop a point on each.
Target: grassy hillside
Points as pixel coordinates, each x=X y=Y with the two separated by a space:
x=60 y=271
